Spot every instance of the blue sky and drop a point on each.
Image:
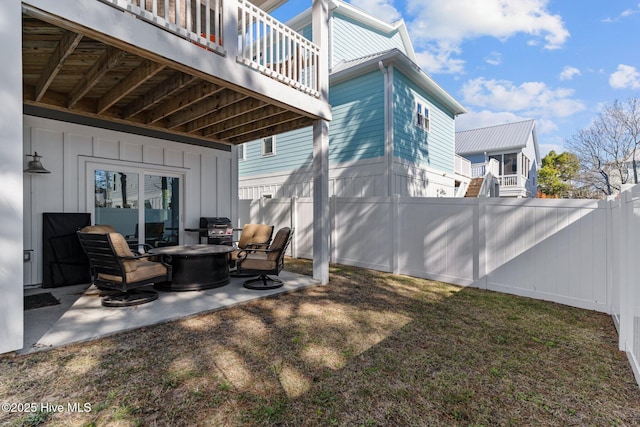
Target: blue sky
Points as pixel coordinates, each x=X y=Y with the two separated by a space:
x=506 y=60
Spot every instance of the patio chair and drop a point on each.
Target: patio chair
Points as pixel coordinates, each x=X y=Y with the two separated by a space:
x=265 y=261
x=115 y=267
x=153 y=235
x=252 y=236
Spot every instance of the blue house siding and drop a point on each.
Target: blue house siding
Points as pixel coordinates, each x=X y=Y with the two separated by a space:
x=357 y=129
x=293 y=151
x=435 y=148
x=352 y=39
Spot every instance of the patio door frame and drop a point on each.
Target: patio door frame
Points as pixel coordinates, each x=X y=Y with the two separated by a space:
x=91 y=164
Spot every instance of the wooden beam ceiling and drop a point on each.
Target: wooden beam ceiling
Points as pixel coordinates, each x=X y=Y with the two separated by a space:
x=68 y=71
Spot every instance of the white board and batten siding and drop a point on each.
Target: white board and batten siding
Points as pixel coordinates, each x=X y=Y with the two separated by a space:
x=70 y=151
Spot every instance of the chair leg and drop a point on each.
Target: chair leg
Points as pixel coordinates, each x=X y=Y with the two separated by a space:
x=129 y=298
x=252 y=283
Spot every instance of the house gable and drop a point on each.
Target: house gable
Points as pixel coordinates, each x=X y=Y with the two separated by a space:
x=354 y=39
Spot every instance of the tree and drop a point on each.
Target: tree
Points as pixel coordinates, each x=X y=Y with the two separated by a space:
x=558 y=171
x=606 y=149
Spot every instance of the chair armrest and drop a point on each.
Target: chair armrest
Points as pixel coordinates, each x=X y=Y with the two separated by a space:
x=256 y=246
x=161 y=258
x=136 y=248
x=245 y=252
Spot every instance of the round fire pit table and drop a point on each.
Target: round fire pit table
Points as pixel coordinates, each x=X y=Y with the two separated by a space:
x=195 y=267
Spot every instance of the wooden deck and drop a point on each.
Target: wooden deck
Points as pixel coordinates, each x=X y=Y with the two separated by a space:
x=77 y=70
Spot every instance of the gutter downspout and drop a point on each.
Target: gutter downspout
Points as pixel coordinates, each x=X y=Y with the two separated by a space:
x=388 y=126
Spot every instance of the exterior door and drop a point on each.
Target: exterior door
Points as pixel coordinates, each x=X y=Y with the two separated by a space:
x=143 y=207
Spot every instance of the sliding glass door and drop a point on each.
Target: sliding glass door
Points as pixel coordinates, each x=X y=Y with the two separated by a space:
x=118 y=194
x=161 y=210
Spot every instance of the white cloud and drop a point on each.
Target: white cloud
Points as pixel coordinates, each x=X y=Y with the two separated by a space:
x=442 y=26
x=529 y=98
x=569 y=73
x=494 y=58
x=485 y=118
x=439 y=61
x=382 y=9
x=629 y=12
x=625 y=13
x=467 y=19
x=627 y=77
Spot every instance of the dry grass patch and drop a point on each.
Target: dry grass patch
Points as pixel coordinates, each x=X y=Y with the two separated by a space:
x=368 y=349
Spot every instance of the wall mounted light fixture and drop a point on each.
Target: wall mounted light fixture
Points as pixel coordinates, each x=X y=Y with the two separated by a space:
x=35 y=166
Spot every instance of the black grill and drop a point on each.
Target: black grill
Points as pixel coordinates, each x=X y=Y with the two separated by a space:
x=217 y=230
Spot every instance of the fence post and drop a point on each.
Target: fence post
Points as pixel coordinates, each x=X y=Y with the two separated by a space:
x=333 y=243
x=626 y=297
x=480 y=243
x=395 y=232
x=294 y=225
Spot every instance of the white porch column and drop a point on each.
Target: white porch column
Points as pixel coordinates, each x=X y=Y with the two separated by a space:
x=320 y=29
x=12 y=163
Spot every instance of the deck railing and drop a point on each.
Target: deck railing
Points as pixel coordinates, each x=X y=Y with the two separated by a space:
x=509 y=180
x=199 y=21
x=462 y=166
x=478 y=170
x=263 y=43
x=276 y=50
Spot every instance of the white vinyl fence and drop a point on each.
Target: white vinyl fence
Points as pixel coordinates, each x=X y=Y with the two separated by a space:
x=575 y=252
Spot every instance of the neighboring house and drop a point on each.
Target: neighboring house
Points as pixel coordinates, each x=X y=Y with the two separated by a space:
x=135 y=108
x=393 y=127
x=512 y=148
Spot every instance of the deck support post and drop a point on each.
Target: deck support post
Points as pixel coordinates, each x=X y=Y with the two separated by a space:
x=320 y=13
x=12 y=162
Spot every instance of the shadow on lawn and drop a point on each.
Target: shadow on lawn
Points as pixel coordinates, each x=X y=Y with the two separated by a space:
x=370 y=348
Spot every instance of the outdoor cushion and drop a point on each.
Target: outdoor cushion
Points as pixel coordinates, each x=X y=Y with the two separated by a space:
x=98 y=228
x=120 y=245
x=144 y=270
x=255 y=233
x=276 y=245
x=258 y=261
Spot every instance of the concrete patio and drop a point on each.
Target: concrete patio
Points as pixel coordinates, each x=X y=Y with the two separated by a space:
x=80 y=316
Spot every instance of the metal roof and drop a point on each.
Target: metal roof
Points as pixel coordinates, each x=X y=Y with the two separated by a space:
x=495 y=138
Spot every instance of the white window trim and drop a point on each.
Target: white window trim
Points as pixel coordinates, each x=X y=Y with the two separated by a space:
x=422 y=118
x=273 y=146
x=242 y=149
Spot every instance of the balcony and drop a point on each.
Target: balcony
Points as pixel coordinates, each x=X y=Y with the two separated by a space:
x=514 y=185
x=219 y=72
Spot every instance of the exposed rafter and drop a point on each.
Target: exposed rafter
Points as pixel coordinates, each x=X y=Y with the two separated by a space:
x=106 y=62
x=68 y=69
x=64 y=49
x=138 y=76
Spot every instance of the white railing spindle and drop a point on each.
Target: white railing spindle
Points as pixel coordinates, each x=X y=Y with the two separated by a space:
x=266 y=45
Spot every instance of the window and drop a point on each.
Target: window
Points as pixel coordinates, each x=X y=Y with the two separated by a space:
x=422 y=117
x=269 y=146
x=510 y=164
x=241 y=152
x=131 y=200
x=526 y=165
x=267 y=195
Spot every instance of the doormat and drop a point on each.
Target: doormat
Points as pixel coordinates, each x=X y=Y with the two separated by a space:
x=39 y=300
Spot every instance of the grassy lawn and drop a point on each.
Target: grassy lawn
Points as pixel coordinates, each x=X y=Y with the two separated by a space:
x=369 y=349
